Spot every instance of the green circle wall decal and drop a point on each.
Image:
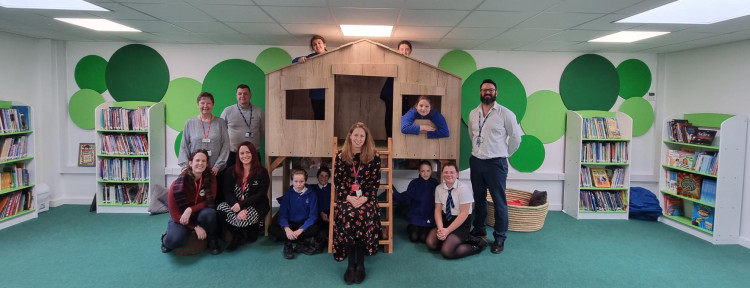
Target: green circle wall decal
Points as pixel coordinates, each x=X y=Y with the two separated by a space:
x=177 y=142
x=589 y=82
x=137 y=73
x=458 y=62
x=510 y=91
x=180 y=101
x=529 y=156
x=642 y=113
x=222 y=81
x=545 y=116
x=82 y=106
x=89 y=73
x=272 y=59
x=465 y=148
x=635 y=78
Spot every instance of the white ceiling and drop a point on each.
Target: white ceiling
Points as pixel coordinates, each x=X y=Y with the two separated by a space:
x=524 y=25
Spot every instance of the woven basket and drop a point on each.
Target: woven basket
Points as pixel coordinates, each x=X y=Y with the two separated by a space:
x=520 y=218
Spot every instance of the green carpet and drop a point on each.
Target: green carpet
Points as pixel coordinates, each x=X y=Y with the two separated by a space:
x=70 y=247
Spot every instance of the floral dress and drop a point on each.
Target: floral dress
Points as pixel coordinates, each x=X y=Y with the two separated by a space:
x=356 y=224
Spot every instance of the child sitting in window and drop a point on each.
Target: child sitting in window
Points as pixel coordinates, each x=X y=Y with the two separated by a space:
x=420 y=195
x=296 y=220
x=423 y=110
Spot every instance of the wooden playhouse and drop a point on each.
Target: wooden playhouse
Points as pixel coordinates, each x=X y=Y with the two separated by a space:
x=352 y=77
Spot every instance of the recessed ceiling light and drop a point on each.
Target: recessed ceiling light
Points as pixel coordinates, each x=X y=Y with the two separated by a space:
x=367 y=30
x=98 y=24
x=51 y=4
x=692 y=12
x=628 y=36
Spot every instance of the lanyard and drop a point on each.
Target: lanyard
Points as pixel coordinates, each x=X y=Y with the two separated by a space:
x=205 y=134
x=243 y=115
x=355 y=169
x=197 y=190
x=244 y=186
x=481 y=123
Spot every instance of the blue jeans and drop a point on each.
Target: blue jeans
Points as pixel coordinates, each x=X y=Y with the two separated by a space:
x=177 y=234
x=490 y=174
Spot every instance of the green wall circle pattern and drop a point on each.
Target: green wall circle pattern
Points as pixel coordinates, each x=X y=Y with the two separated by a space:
x=510 y=93
x=545 y=116
x=589 y=82
x=82 y=106
x=642 y=113
x=137 y=73
x=458 y=62
x=529 y=156
x=635 y=78
x=272 y=59
x=89 y=73
x=223 y=78
x=177 y=142
x=180 y=101
x=465 y=149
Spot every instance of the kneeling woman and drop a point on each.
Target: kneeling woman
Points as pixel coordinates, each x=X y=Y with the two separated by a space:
x=191 y=205
x=453 y=202
x=246 y=203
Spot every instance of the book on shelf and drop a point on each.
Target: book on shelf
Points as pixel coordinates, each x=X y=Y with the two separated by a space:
x=602 y=201
x=673 y=206
x=704 y=136
x=613 y=128
x=708 y=190
x=670 y=178
x=703 y=216
x=601 y=180
x=689 y=185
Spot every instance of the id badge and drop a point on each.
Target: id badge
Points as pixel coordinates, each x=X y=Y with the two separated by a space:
x=248 y=135
x=209 y=153
x=206 y=140
x=356 y=190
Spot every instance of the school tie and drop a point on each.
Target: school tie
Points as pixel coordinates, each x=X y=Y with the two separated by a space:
x=448 y=205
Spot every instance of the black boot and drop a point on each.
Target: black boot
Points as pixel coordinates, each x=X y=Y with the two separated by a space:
x=350 y=270
x=236 y=239
x=288 y=250
x=360 y=273
x=308 y=245
x=213 y=246
x=251 y=234
x=164 y=249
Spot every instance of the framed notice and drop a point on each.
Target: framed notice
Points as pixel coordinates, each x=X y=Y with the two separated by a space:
x=86 y=155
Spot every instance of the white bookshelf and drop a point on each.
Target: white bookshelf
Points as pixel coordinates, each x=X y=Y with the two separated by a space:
x=730 y=142
x=27 y=161
x=574 y=141
x=156 y=157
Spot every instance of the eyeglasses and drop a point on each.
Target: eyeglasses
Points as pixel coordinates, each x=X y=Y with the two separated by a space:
x=488 y=90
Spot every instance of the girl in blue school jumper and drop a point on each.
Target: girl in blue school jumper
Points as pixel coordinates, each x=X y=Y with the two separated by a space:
x=421 y=196
x=297 y=217
x=423 y=110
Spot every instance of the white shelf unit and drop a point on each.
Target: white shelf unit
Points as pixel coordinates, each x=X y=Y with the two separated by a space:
x=156 y=156
x=574 y=142
x=28 y=163
x=730 y=142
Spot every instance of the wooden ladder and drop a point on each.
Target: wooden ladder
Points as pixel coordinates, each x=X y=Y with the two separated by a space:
x=386 y=218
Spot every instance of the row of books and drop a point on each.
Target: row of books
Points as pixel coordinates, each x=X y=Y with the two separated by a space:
x=123 y=169
x=601 y=128
x=14 y=120
x=118 y=118
x=13 y=148
x=691 y=185
x=125 y=193
x=602 y=177
x=14 y=177
x=16 y=202
x=604 y=152
x=699 y=161
x=120 y=144
x=603 y=201
x=680 y=130
x=703 y=215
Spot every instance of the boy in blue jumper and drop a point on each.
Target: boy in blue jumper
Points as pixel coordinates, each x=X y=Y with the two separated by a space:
x=423 y=110
x=323 y=190
x=421 y=196
x=297 y=217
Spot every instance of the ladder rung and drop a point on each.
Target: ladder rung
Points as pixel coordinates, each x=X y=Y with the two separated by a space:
x=385 y=187
x=385 y=169
x=384 y=205
x=385 y=242
x=385 y=223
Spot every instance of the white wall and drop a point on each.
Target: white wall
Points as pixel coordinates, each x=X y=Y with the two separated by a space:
x=713 y=79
